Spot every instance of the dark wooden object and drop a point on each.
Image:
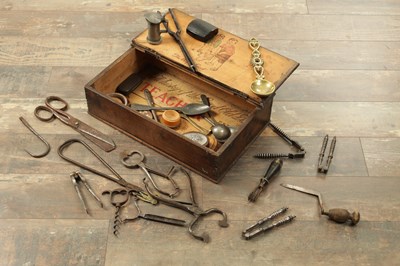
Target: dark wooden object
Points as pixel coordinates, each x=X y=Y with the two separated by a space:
x=228 y=79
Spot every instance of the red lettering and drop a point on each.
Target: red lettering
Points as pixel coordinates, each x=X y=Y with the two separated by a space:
x=162 y=97
x=147 y=84
x=154 y=90
x=168 y=101
x=180 y=103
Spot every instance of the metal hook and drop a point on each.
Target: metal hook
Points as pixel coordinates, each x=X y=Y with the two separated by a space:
x=37 y=135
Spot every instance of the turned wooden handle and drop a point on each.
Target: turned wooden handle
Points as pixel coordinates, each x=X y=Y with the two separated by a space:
x=339 y=215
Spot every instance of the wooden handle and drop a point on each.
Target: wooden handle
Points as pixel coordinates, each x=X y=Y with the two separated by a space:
x=339 y=215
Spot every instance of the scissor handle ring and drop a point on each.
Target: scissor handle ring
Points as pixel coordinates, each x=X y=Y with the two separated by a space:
x=44 y=109
x=56 y=99
x=136 y=161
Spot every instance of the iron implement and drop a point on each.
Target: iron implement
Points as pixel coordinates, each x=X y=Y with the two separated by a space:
x=337 y=215
x=257 y=228
x=191 y=208
x=117 y=178
x=95 y=136
x=77 y=178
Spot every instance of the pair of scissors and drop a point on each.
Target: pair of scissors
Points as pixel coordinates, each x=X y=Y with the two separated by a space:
x=95 y=136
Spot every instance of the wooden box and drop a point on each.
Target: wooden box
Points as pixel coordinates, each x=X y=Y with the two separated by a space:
x=224 y=75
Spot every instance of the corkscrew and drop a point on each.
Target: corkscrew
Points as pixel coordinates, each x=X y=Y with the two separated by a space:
x=118 y=198
x=256 y=228
x=300 y=154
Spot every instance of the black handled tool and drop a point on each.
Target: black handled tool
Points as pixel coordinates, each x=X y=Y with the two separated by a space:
x=337 y=215
x=273 y=169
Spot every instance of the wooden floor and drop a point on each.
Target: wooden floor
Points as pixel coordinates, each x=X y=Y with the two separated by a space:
x=347 y=85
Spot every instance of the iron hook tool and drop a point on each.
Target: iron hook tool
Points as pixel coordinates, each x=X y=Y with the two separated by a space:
x=37 y=135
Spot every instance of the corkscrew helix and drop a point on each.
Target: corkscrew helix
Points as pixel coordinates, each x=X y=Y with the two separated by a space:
x=301 y=151
x=118 y=198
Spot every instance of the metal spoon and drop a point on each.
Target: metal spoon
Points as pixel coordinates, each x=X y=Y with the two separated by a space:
x=262 y=87
x=189 y=109
x=220 y=131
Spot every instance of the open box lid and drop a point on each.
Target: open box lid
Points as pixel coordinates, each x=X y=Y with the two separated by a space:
x=225 y=59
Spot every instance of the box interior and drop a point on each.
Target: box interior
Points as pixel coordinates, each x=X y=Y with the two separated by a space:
x=171 y=86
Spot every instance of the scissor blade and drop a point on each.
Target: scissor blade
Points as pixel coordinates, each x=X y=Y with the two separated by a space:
x=95 y=136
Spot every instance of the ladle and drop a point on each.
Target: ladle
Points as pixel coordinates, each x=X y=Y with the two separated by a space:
x=189 y=109
x=220 y=131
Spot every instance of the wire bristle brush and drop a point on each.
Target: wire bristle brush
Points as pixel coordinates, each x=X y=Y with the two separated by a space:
x=273 y=169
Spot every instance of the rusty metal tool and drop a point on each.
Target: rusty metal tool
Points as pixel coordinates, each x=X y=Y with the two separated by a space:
x=150 y=102
x=77 y=178
x=256 y=228
x=118 y=197
x=117 y=178
x=95 y=136
x=40 y=155
x=135 y=159
x=153 y=217
x=301 y=151
x=272 y=170
x=321 y=167
x=177 y=37
x=190 y=207
x=337 y=215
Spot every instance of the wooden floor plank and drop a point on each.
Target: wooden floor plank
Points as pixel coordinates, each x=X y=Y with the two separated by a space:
x=382 y=156
x=374 y=197
x=267 y=6
x=346 y=119
x=346 y=85
x=372 y=7
x=53 y=242
x=60 y=51
x=310 y=27
x=341 y=86
x=339 y=55
x=274 y=247
x=125 y=24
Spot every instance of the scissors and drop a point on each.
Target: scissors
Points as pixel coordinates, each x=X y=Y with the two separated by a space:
x=191 y=208
x=135 y=159
x=95 y=136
